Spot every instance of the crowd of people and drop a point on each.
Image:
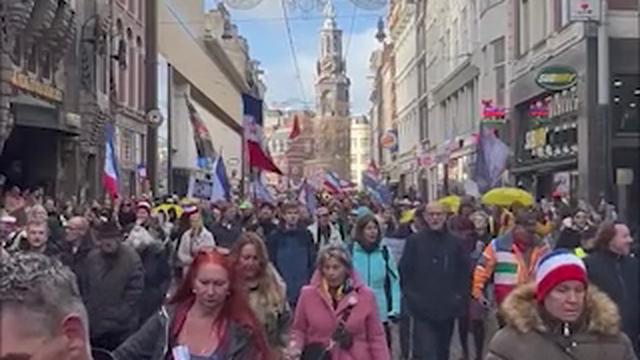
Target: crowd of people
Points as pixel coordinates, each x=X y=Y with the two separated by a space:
x=138 y=279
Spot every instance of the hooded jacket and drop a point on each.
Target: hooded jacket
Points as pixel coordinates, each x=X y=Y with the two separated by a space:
x=528 y=337
x=372 y=269
x=316 y=320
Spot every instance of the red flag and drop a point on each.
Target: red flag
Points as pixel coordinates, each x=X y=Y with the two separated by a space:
x=259 y=159
x=295 y=129
x=258 y=156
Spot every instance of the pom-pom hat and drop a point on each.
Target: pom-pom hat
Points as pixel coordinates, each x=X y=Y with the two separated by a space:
x=556 y=267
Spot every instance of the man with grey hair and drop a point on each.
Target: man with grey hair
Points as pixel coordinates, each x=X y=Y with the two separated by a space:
x=41 y=312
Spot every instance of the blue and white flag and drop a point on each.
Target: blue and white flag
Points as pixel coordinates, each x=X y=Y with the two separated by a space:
x=260 y=191
x=492 y=155
x=307 y=196
x=376 y=189
x=221 y=187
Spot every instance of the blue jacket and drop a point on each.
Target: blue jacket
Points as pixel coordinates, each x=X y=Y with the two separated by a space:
x=292 y=252
x=372 y=270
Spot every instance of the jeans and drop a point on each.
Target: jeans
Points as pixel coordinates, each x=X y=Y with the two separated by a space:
x=432 y=339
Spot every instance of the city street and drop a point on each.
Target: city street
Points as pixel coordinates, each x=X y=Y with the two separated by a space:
x=289 y=179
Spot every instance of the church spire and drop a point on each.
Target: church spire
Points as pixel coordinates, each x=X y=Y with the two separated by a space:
x=329 y=15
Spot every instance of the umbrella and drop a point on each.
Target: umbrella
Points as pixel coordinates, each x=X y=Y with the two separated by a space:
x=507 y=196
x=166 y=207
x=451 y=201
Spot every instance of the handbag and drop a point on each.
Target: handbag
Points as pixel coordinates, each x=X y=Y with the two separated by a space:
x=315 y=351
x=340 y=337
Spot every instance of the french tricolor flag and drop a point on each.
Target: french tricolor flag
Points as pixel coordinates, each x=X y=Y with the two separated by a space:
x=110 y=174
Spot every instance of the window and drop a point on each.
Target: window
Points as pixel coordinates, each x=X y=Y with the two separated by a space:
x=132 y=62
x=422 y=83
x=127 y=145
x=500 y=84
x=141 y=74
x=45 y=66
x=538 y=23
x=16 y=56
x=498 y=51
x=354 y=143
x=423 y=114
x=364 y=143
x=32 y=57
x=523 y=27
x=560 y=14
x=354 y=158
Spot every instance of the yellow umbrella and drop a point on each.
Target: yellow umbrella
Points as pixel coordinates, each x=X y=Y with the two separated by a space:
x=407 y=216
x=166 y=207
x=507 y=196
x=452 y=202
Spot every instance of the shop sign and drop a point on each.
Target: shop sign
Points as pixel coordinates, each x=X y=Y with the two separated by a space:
x=389 y=140
x=35 y=87
x=585 y=10
x=491 y=112
x=557 y=78
x=536 y=138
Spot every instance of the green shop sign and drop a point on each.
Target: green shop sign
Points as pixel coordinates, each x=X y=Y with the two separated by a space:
x=556 y=78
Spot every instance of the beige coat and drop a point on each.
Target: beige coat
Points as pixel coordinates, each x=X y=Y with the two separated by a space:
x=527 y=337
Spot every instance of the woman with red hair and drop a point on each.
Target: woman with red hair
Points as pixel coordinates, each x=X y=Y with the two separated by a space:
x=207 y=318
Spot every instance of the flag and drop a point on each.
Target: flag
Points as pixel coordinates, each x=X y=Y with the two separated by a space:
x=491 y=160
x=221 y=186
x=202 y=138
x=332 y=183
x=373 y=185
x=260 y=191
x=373 y=170
x=307 y=196
x=295 y=129
x=142 y=171
x=254 y=137
x=110 y=173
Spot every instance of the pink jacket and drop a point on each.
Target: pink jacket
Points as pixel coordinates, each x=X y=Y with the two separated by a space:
x=316 y=320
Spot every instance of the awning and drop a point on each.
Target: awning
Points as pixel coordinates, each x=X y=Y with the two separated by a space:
x=31 y=112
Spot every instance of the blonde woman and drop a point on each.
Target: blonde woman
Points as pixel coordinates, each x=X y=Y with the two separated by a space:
x=266 y=290
x=193 y=240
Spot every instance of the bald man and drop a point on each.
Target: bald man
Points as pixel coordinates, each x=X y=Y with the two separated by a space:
x=78 y=243
x=434 y=275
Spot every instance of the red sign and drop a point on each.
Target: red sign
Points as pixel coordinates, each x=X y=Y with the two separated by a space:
x=491 y=112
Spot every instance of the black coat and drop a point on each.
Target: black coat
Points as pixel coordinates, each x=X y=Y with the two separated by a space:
x=434 y=275
x=618 y=277
x=111 y=288
x=76 y=260
x=226 y=235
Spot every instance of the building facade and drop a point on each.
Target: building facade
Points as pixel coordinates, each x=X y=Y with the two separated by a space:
x=205 y=63
x=39 y=124
x=402 y=33
x=561 y=139
x=360 y=148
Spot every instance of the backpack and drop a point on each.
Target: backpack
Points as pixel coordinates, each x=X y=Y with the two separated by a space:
x=387 y=274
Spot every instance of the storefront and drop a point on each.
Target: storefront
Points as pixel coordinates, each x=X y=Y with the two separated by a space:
x=551 y=126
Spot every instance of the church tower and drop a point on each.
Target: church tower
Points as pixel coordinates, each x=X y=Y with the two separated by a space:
x=332 y=83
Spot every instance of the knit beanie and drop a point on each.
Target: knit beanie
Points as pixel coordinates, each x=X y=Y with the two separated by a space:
x=556 y=267
x=144 y=205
